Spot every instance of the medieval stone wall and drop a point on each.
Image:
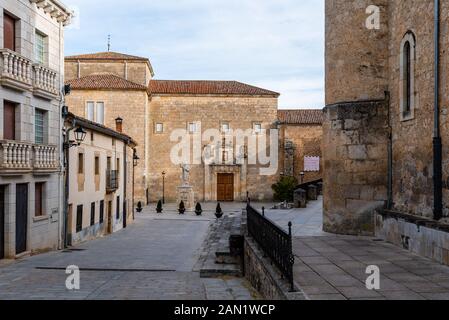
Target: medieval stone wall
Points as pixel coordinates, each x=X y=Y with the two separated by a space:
x=355 y=134
x=412 y=139
x=355 y=147
x=356 y=57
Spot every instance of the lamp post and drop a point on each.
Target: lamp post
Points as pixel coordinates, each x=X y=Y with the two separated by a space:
x=163 y=187
x=80 y=135
x=135 y=162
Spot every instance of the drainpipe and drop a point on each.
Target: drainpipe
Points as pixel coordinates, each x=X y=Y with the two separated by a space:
x=66 y=181
x=437 y=145
x=390 y=154
x=125 y=168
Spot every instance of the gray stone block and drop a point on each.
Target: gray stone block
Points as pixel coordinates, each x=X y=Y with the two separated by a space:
x=300 y=198
x=312 y=192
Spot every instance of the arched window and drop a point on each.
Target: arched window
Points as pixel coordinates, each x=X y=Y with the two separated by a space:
x=407 y=77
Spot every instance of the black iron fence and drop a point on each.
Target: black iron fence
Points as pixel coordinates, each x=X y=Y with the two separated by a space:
x=275 y=242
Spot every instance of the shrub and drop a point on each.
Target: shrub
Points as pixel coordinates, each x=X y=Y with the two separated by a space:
x=198 y=209
x=284 y=189
x=182 y=207
x=159 y=206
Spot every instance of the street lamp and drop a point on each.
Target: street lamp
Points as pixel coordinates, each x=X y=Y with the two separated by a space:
x=80 y=135
x=163 y=187
x=135 y=159
x=302 y=174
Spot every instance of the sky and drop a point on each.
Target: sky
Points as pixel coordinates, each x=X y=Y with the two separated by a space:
x=274 y=44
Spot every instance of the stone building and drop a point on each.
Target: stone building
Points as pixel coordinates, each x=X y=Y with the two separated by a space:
x=101 y=175
x=114 y=85
x=379 y=123
x=301 y=132
x=32 y=71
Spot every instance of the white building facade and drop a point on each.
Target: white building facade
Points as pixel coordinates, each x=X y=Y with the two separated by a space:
x=101 y=179
x=31 y=78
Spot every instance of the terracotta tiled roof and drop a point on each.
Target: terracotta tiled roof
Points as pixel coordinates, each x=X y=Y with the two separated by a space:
x=100 y=128
x=104 y=81
x=302 y=116
x=206 y=87
x=105 y=56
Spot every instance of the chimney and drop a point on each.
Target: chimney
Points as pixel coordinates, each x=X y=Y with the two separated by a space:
x=118 y=124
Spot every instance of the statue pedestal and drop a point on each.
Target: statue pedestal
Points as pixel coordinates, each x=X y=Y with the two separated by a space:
x=186 y=194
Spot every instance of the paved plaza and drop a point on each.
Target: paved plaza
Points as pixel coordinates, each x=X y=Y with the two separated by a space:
x=331 y=267
x=153 y=258
x=157 y=256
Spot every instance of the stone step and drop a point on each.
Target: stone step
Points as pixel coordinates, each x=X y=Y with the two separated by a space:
x=218 y=270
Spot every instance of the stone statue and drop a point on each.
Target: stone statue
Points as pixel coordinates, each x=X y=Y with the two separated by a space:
x=185 y=174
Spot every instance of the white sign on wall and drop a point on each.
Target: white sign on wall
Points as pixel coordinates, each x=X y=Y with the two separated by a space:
x=311 y=164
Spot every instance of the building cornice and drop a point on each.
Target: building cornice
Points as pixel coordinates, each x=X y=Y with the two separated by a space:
x=57 y=10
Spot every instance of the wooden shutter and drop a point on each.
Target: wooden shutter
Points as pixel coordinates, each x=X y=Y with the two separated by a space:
x=9 y=121
x=9 y=32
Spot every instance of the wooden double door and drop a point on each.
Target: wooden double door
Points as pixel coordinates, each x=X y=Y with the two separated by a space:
x=225 y=187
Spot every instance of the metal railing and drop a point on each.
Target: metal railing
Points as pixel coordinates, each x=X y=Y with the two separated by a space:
x=275 y=242
x=111 y=180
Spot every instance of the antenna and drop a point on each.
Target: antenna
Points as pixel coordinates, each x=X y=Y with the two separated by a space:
x=109 y=42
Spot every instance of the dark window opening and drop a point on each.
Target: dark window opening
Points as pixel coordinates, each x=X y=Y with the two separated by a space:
x=92 y=213
x=79 y=218
x=117 y=213
x=101 y=211
x=407 y=78
x=38 y=199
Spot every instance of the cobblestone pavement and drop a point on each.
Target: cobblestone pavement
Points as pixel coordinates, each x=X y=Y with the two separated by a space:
x=152 y=259
x=331 y=267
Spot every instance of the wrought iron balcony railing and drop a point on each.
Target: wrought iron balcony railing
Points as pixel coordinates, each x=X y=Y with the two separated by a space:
x=111 y=180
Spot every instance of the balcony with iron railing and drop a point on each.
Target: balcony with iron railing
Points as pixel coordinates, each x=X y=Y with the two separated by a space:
x=21 y=74
x=17 y=157
x=111 y=180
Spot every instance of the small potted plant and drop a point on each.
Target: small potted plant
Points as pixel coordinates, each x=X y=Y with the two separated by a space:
x=198 y=209
x=182 y=208
x=218 y=211
x=159 y=207
x=139 y=207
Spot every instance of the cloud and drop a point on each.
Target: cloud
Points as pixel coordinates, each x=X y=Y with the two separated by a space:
x=278 y=44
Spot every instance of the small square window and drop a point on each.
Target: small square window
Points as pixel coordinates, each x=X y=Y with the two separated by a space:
x=257 y=127
x=225 y=127
x=192 y=127
x=159 y=128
